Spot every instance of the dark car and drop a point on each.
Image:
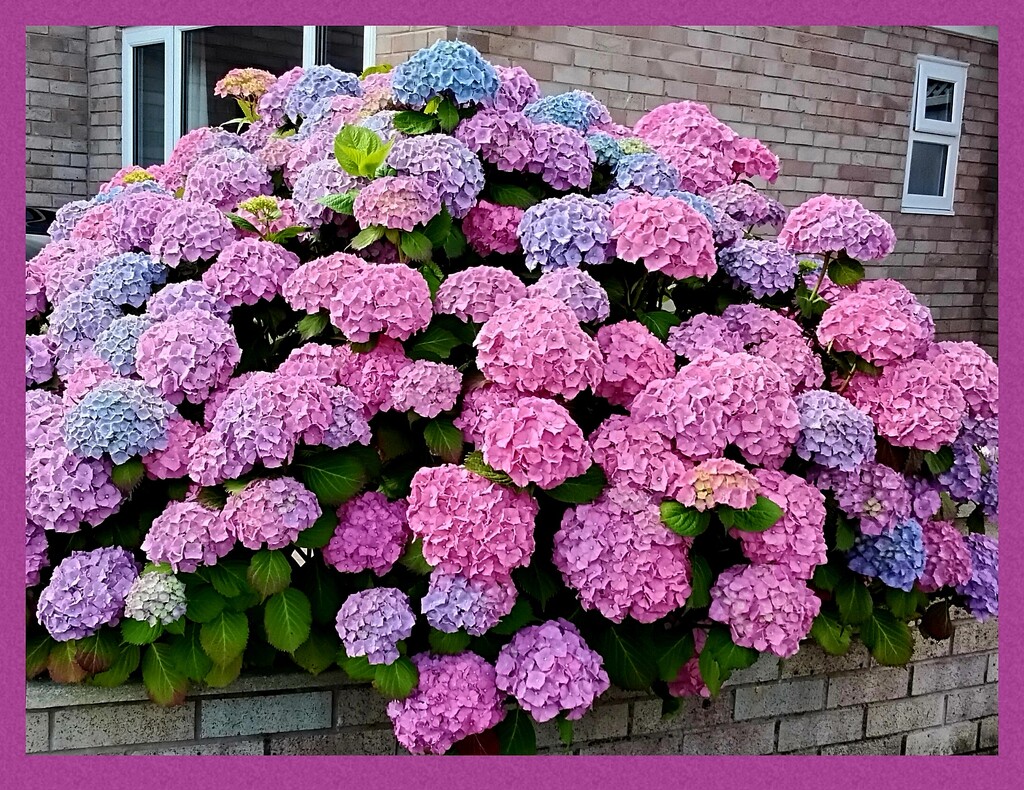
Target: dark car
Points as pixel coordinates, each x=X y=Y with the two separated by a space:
x=37 y=226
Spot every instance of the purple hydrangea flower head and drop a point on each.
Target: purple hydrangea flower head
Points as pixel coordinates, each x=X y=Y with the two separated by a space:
x=191 y=232
x=315 y=360
x=455 y=697
x=44 y=412
x=895 y=557
x=316 y=83
x=536 y=441
x=963 y=479
x=516 y=89
x=476 y=293
x=271 y=106
x=833 y=432
x=746 y=205
x=873 y=493
x=426 y=388
x=126 y=280
x=249 y=270
x=371 y=623
x=765 y=606
x=87 y=374
x=981 y=591
x=187 y=535
x=714 y=482
x=156 y=598
x=315 y=180
x=371 y=535
x=830 y=224
x=468 y=524
x=560 y=156
x=86 y=592
x=548 y=668
x=172 y=461
x=633 y=358
x=447 y=166
x=271 y=511
x=447 y=69
x=226 y=178
x=187 y=356
x=181 y=297
x=537 y=346
x=761 y=265
x=621 y=559
x=39 y=359
x=66 y=217
x=947 y=557
x=63 y=490
x=770 y=335
x=475 y=605
x=504 y=139
x=926 y=497
x=371 y=374
x=577 y=289
x=566 y=232
x=35 y=553
x=633 y=455
x=481 y=403
x=134 y=217
x=192 y=147
x=398 y=202
x=329 y=114
x=576 y=109
x=348 y=422
x=606 y=149
x=696 y=335
x=116 y=344
x=74 y=326
x=648 y=172
x=311 y=286
x=120 y=419
x=666 y=234
x=990 y=489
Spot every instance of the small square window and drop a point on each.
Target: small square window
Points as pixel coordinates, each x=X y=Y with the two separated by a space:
x=938 y=103
x=927 y=169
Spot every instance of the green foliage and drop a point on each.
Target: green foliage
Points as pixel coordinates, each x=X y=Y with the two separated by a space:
x=366 y=237
x=340 y=203
x=139 y=632
x=124 y=664
x=287 y=619
x=628 y=656
x=317 y=653
x=412 y=123
x=269 y=572
x=844 y=270
x=686 y=521
x=337 y=476
x=853 y=600
x=890 y=640
x=165 y=683
x=359 y=150
x=833 y=637
x=700 y=583
x=673 y=649
x=190 y=656
x=580 y=489
x=37 y=654
x=435 y=344
x=128 y=475
x=511 y=195
x=720 y=656
x=762 y=515
x=939 y=461
x=204 y=603
x=397 y=679
x=415 y=245
x=242 y=223
x=516 y=733
x=224 y=638
x=444 y=440
x=320 y=532
x=520 y=616
x=659 y=322
x=447 y=115
x=447 y=644
x=412 y=558
x=475 y=462
x=357 y=667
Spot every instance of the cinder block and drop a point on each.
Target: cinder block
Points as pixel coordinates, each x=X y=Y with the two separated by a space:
x=971 y=636
x=669 y=743
x=750 y=738
x=602 y=723
x=872 y=685
x=949 y=673
x=959 y=738
x=891 y=744
x=812 y=660
x=359 y=705
x=764 y=669
x=885 y=718
x=780 y=698
x=37 y=726
x=269 y=714
x=992 y=676
x=972 y=703
x=696 y=713
x=988 y=735
x=378 y=741
x=111 y=725
x=820 y=728
x=246 y=746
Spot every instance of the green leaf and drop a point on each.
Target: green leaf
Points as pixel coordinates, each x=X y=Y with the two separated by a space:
x=98 y=652
x=37 y=652
x=381 y=68
x=269 y=572
x=357 y=667
x=809 y=307
x=433 y=275
x=221 y=675
x=853 y=600
x=397 y=679
x=516 y=733
x=845 y=534
x=287 y=619
x=762 y=515
x=686 y=521
x=61 y=663
x=353 y=146
x=448 y=115
x=447 y=644
x=520 y=616
x=283 y=235
x=512 y=195
x=844 y=270
x=435 y=344
x=432 y=105
x=311 y=325
x=317 y=653
x=833 y=637
x=903 y=604
x=320 y=533
x=628 y=657
x=727 y=653
x=337 y=476
x=229 y=577
x=412 y=558
x=675 y=648
x=224 y=638
x=439 y=227
x=415 y=245
x=580 y=489
x=128 y=475
x=539 y=583
x=659 y=322
x=366 y=237
x=139 y=632
x=890 y=641
x=373 y=163
x=475 y=463
x=700 y=583
x=444 y=440
x=165 y=683
x=340 y=203
x=126 y=662
x=455 y=244
x=204 y=603
x=412 y=122
x=321 y=585
x=710 y=671
x=565 y=733
x=190 y=657
x=242 y=222
x=864 y=366
x=826 y=577
x=939 y=461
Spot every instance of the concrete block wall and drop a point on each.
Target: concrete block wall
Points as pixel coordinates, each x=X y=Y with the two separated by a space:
x=944 y=702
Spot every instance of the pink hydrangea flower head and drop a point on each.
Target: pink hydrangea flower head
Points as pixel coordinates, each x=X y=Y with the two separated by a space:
x=377 y=95
x=537 y=346
x=39 y=359
x=694 y=336
x=666 y=233
x=701 y=169
x=247 y=84
x=536 y=441
x=226 y=177
x=191 y=232
x=192 y=147
x=750 y=157
x=35 y=553
x=371 y=535
x=391 y=298
x=481 y=404
x=445 y=164
x=306 y=152
x=271 y=511
x=560 y=156
x=767 y=334
x=133 y=219
x=318 y=178
x=632 y=454
x=476 y=293
x=372 y=374
x=947 y=558
x=44 y=414
x=455 y=697
x=492 y=228
x=187 y=535
x=621 y=559
x=62 y=489
x=311 y=287
x=70 y=273
x=398 y=202
x=633 y=358
x=688 y=681
x=765 y=607
x=974 y=372
x=548 y=668
x=504 y=139
x=372 y=622
x=327 y=115
x=566 y=232
x=468 y=524
x=475 y=605
x=426 y=388
x=315 y=360
x=94 y=224
x=685 y=121
x=873 y=493
x=181 y=297
x=249 y=270
x=516 y=89
x=746 y=205
x=577 y=289
x=717 y=481
x=830 y=224
x=271 y=103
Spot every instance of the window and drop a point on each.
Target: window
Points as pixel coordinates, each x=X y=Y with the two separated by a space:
x=168 y=74
x=934 y=143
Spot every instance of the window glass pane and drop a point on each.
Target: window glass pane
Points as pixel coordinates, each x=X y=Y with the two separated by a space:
x=343 y=48
x=927 y=169
x=938 y=102
x=148 y=104
x=211 y=52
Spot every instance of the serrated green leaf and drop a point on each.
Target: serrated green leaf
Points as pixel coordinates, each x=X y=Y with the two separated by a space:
x=475 y=463
x=447 y=644
x=412 y=122
x=537 y=582
x=357 y=667
x=139 y=632
x=61 y=663
x=321 y=586
x=337 y=476
x=243 y=601
x=98 y=652
x=125 y=663
x=901 y=603
x=372 y=163
x=157 y=567
x=853 y=600
x=319 y=534
x=828 y=632
x=37 y=653
x=380 y=68
x=242 y=222
x=433 y=275
x=810 y=307
x=674 y=649
x=580 y=489
x=269 y=572
x=826 y=577
x=890 y=641
x=520 y=616
x=221 y=675
x=228 y=577
x=455 y=244
x=939 y=461
x=366 y=237
x=204 y=603
x=659 y=322
x=189 y=655
x=516 y=733
x=164 y=682
x=444 y=440
x=762 y=515
x=353 y=145
x=512 y=195
x=340 y=203
x=710 y=672
x=700 y=583
x=212 y=497
x=431 y=106
x=287 y=619
x=412 y=558
x=283 y=235
x=313 y=324
x=845 y=271
x=317 y=653
x=628 y=657
x=439 y=227
x=845 y=534
x=447 y=115
x=686 y=521
x=727 y=653
x=435 y=344
x=224 y=638
x=128 y=475
x=415 y=245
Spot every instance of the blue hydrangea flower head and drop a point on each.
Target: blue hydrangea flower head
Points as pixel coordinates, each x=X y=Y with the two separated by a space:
x=120 y=418
x=697 y=203
x=446 y=68
x=647 y=172
x=895 y=557
x=761 y=265
x=75 y=324
x=578 y=110
x=606 y=149
x=566 y=232
x=116 y=344
x=834 y=433
x=319 y=82
x=128 y=279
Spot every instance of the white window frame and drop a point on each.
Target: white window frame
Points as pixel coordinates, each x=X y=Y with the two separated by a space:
x=925 y=130
x=172 y=37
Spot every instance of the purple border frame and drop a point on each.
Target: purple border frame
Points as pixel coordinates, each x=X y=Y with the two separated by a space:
x=37 y=771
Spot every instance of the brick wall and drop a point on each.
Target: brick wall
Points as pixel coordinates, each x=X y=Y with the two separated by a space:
x=944 y=702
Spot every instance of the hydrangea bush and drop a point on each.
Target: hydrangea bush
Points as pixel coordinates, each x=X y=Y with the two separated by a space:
x=490 y=401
